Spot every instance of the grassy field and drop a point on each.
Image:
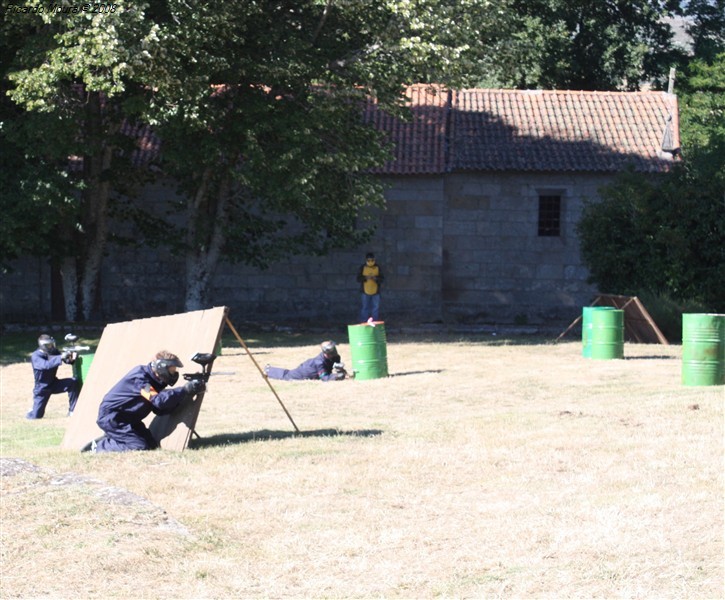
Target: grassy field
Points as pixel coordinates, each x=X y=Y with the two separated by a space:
x=482 y=467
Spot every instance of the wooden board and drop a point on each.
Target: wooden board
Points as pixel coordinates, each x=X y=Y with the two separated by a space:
x=125 y=345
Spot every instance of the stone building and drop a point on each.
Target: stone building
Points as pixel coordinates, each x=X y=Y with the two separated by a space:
x=483 y=197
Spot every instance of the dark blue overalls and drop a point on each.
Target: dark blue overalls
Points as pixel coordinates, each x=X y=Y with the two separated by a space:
x=319 y=367
x=45 y=367
x=127 y=404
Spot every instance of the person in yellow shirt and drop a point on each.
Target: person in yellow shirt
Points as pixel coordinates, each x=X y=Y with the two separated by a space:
x=370 y=277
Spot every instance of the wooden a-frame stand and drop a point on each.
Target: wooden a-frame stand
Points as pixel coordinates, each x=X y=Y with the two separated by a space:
x=124 y=345
x=638 y=324
x=190 y=412
x=261 y=372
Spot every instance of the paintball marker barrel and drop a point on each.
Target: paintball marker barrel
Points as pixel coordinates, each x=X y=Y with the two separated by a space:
x=72 y=339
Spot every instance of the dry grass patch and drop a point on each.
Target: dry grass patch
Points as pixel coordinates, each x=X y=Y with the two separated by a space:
x=478 y=469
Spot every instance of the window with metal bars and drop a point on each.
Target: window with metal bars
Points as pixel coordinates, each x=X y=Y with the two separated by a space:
x=549 y=215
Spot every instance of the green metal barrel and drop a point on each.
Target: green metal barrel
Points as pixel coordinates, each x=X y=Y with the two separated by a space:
x=368 y=350
x=607 y=334
x=81 y=366
x=703 y=349
x=587 y=328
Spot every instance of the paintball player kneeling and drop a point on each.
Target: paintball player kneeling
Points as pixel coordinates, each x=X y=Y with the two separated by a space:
x=326 y=366
x=142 y=391
x=46 y=360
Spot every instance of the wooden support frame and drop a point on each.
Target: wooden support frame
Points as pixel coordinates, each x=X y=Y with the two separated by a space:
x=262 y=373
x=638 y=324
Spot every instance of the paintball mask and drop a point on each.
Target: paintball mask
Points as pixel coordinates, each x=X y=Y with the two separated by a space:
x=329 y=349
x=46 y=343
x=161 y=366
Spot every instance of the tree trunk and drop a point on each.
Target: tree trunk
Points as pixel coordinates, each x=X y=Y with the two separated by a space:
x=69 y=274
x=202 y=256
x=97 y=234
x=81 y=272
x=57 y=297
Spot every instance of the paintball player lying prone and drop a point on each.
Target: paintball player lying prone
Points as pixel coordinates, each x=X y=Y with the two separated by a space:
x=142 y=391
x=326 y=366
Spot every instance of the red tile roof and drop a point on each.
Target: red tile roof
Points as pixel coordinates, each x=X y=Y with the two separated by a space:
x=420 y=143
x=148 y=144
x=514 y=130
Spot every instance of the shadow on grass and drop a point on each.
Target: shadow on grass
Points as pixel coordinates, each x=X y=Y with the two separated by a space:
x=224 y=439
x=416 y=372
x=652 y=357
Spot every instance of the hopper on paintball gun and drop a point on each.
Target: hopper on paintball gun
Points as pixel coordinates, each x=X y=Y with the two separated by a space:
x=205 y=360
x=70 y=353
x=72 y=339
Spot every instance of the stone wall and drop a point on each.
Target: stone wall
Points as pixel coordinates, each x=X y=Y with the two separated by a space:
x=496 y=266
x=324 y=290
x=25 y=291
x=459 y=248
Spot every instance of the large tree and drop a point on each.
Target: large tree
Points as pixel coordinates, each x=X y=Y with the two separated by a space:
x=75 y=79
x=257 y=104
x=264 y=132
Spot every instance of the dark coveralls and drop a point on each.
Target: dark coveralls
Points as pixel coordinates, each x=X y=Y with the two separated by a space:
x=45 y=367
x=127 y=404
x=319 y=367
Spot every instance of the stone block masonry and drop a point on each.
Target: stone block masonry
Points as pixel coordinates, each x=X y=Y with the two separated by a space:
x=457 y=248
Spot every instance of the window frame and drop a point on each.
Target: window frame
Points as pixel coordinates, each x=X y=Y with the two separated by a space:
x=549 y=216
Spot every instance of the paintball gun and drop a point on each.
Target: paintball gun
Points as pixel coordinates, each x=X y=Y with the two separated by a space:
x=70 y=353
x=205 y=360
x=338 y=371
x=72 y=339
x=197 y=381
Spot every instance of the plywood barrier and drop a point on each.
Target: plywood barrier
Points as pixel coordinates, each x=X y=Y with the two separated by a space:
x=125 y=345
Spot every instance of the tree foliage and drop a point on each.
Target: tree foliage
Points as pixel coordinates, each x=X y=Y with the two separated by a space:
x=706 y=27
x=667 y=236
x=582 y=45
x=73 y=79
x=662 y=239
x=258 y=107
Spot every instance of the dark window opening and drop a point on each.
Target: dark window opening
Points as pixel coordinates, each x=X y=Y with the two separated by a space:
x=549 y=216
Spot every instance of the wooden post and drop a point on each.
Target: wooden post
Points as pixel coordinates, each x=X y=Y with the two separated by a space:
x=264 y=375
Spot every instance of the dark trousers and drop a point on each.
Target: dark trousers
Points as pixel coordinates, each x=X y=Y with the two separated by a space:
x=123 y=437
x=280 y=373
x=42 y=395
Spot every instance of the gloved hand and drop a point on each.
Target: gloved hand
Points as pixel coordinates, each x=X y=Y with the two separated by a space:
x=194 y=387
x=68 y=357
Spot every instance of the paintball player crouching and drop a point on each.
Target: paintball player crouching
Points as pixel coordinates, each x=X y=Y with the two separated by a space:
x=142 y=391
x=326 y=366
